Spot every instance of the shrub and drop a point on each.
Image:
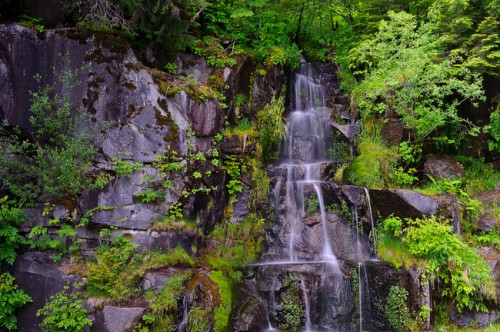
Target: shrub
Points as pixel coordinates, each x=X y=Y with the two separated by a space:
x=11 y=298
x=465 y=277
x=115 y=271
x=174 y=257
x=10 y=239
x=54 y=164
x=271 y=127
x=396 y=309
x=64 y=312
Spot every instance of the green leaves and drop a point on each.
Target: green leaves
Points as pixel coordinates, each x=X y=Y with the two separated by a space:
x=465 y=276
x=404 y=76
x=64 y=312
x=10 y=239
x=11 y=298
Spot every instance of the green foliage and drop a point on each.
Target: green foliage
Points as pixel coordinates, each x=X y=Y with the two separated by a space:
x=125 y=168
x=375 y=163
x=237 y=244
x=464 y=276
x=233 y=168
x=312 y=204
x=215 y=54
x=173 y=257
x=198 y=319
x=10 y=239
x=55 y=163
x=32 y=22
x=115 y=271
x=64 y=312
x=150 y=195
x=222 y=313
x=405 y=77
x=293 y=314
x=11 y=298
x=396 y=309
x=494 y=130
x=271 y=128
x=164 y=305
x=478 y=175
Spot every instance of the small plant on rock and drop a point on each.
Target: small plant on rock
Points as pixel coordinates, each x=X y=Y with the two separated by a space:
x=64 y=312
x=11 y=298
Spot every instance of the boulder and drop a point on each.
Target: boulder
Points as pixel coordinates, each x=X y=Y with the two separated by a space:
x=445 y=167
x=392 y=131
x=117 y=319
x=347 y=131
x=402 y=203
x=490 y=218
x=250 y=316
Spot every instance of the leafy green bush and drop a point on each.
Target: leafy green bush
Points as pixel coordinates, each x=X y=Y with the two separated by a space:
x=404 y=77
x=55 y=163
x=10 y=239
x=465 y=277
x=11 y=298
x=64 y=312
x=115 y=271
x=271 y=127
x=396 y=309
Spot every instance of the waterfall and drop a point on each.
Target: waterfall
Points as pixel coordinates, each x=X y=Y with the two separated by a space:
x=302 y=244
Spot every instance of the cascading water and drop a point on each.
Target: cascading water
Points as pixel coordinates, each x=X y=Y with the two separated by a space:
x=312 y=255
x=304 y=153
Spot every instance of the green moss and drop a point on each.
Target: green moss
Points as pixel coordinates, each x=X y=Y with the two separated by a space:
x=166 y=121
x=374 y=165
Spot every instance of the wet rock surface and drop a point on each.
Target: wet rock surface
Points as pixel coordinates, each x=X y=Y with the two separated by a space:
x=117 y=319
x=40 y=277
x=445 y=167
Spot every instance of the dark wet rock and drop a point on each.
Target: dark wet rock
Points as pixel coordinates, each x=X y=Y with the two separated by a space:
x=250 y=316
x=134 y=216
x=238 y=143
x=240 y=206
x=154 y=280
x=117 y=319
x=162 y=240
x=392 y=131
x=468 y=318
x=449 y=209
x=380 y=276
x=401 y=202
x=490 y=218
x=492 y=256
x=38 y=275
x=267 y=84
x=445 y=167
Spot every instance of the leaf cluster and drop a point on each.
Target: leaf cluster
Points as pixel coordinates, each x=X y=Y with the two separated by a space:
x=465 y=277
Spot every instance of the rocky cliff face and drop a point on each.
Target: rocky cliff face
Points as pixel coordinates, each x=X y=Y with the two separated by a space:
x=145 y=114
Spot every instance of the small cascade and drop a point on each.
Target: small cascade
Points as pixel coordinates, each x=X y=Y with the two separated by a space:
x=364 y=295
x=367 y=193
x=307 y=306
x=328 y=254
x=185 y=317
